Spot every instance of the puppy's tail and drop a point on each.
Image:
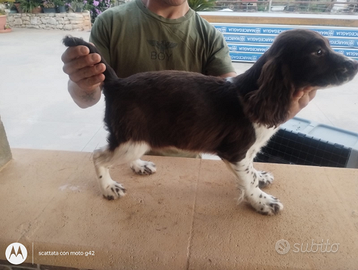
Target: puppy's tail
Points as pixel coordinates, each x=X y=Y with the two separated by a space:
x=70 y=41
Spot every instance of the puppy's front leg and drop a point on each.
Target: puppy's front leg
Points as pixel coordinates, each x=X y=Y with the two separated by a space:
x=249 y=181
x=143 y=167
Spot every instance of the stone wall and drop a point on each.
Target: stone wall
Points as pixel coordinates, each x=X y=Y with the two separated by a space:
x=63 y=21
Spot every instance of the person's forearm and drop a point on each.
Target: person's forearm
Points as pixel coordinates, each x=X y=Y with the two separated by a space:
x=228 y=75
x=82 y=98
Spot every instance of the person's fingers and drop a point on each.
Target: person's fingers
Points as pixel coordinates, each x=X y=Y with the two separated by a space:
x=306 y=98
x=312 y=94
x=298 y=95
x=72 y=53
x=300 y=99
x=81 y=62
x=87 y=72
x=91 y=83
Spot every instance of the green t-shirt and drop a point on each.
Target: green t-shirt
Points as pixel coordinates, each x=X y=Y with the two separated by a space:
x=133 y=39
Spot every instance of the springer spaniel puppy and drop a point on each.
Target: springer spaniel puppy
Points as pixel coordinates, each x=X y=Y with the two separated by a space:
x=232 y=118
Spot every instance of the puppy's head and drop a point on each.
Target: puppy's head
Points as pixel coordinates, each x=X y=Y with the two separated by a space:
x=310 y=60
x=298 y=59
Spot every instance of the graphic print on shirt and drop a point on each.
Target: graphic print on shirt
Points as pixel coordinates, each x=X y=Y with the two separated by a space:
x=162 y=49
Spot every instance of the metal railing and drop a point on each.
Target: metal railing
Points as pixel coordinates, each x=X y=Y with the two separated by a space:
x=288 y=6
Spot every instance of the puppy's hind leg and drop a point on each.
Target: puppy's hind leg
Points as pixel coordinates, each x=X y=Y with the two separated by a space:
x=104 y=158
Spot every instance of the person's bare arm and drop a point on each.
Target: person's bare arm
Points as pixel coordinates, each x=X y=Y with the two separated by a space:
x=85 y=75
x=228 y=75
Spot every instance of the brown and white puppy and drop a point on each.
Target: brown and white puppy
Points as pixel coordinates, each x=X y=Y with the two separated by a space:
x=231 y=118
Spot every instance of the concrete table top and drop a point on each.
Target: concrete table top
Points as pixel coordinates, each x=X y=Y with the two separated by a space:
x=183 y=217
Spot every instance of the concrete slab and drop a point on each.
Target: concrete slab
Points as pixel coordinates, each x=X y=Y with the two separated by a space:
x=183 y=217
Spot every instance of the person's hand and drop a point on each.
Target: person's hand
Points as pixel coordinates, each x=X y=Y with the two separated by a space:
x=83 y=68
x=300 y=99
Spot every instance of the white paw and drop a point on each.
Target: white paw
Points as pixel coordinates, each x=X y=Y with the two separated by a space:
x=143 y=167
x=264 y=203
x=265 y=178
x=113 y=191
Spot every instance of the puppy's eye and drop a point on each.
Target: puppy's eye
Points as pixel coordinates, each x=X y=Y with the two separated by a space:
x=319 y=52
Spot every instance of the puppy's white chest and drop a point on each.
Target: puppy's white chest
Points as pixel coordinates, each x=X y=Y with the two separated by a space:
x=263 y=134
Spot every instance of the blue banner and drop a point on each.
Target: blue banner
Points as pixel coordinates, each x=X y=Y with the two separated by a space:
x=265 y=39
x=350 y=53
x=244 y=57
x=247 y=43
x=241 y=56
x=260 y=49
x=248 y=48
x=268 y=39
x=275 y=30
x=343 y=42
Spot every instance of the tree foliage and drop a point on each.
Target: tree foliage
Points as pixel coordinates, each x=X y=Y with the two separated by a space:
x=201 y=5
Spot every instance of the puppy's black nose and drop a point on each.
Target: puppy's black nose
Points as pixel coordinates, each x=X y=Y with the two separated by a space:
x=351 y=65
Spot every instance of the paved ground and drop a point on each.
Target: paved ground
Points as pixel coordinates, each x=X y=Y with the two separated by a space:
x=38 y=112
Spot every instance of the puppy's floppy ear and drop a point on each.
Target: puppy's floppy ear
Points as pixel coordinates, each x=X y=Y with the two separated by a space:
x=269 y=105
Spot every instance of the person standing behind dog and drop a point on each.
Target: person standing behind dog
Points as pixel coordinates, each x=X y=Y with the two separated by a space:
x=148 y=35
x=151 y=35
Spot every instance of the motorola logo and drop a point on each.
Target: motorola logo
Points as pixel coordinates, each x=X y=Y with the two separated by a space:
x=16 y=253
